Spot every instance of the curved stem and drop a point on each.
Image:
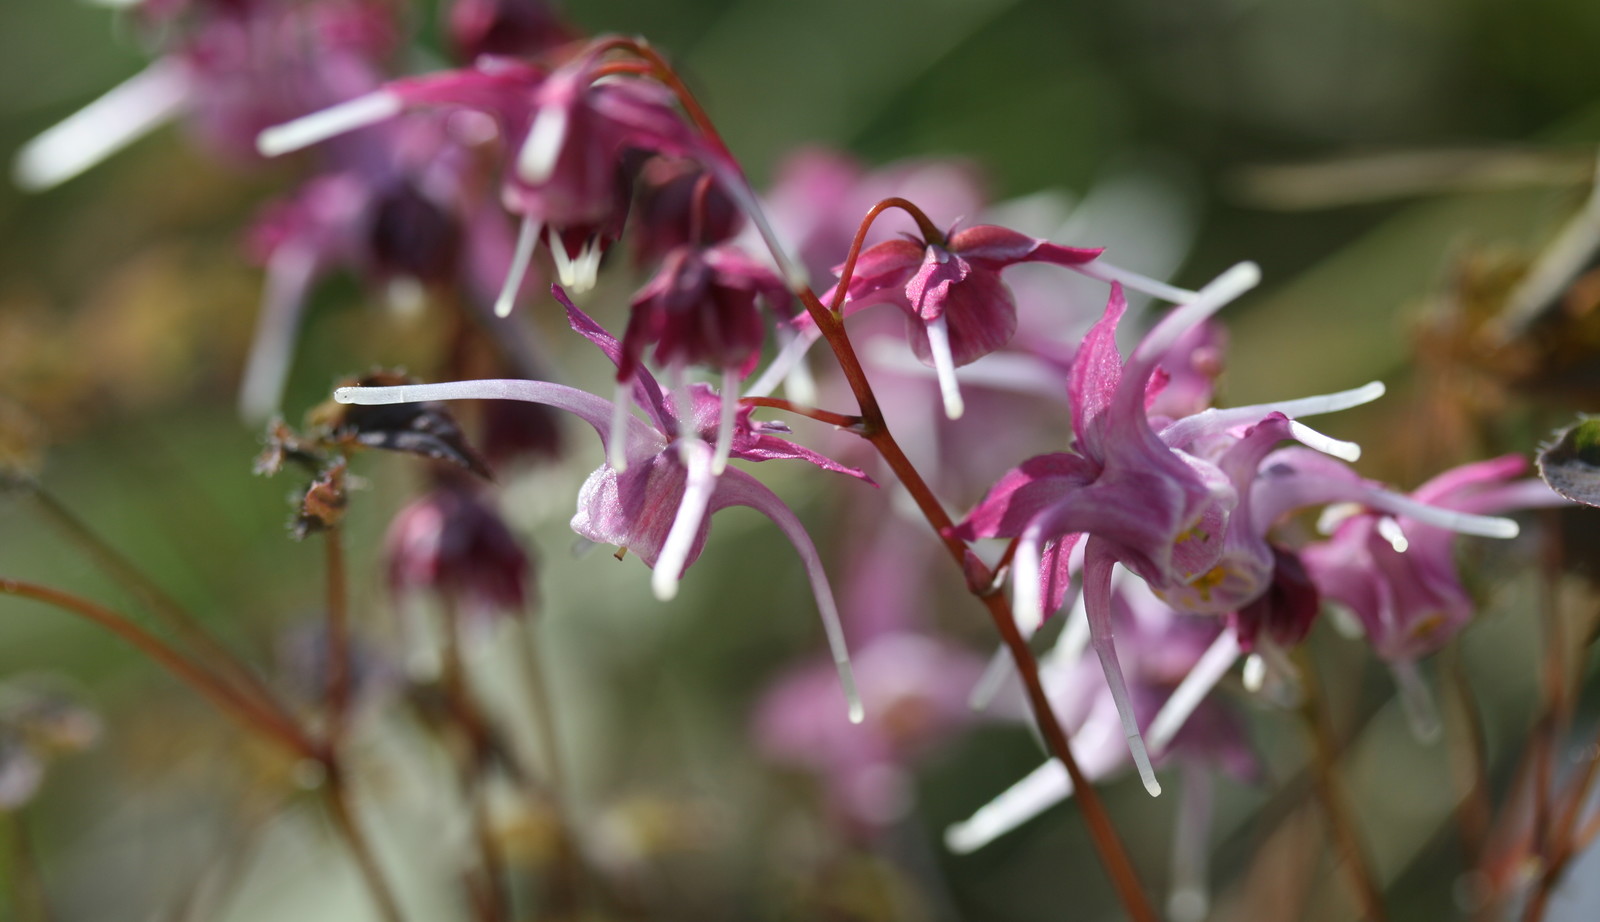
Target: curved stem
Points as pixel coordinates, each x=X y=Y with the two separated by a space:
x=874 y=428
x=230 y=668
x=250 y=713
x=930 y=234
x=1342 y=825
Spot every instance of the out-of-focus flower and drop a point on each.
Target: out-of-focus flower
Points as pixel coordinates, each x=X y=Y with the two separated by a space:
x=917 y=686
x=700 y=309
x=233 y=70
x=1395 y=570
x=39 y=720
x=450 y=542
x=513 y=28
x=657 y=502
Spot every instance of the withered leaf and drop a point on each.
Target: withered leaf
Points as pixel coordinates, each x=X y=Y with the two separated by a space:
x=426 y=429
x=323 y=505
x=1571 y=464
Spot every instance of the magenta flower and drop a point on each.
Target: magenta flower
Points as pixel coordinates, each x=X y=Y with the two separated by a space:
x=700 y=309
x=1392 y=565
x=957 y=308
x=566 y=137
x=659 y=501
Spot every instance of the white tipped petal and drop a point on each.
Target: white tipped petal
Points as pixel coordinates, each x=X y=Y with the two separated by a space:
x=735 y=487
x=1210 y=299
x=1202 y=677
x=789 y=360
x=1255 y=673
x=1105 y=272
x=1416 y=699
x=944 y=366
x=726 y=420
x=1130 y=724
x=1043 y=788
x=734 y=183
x=999 y=669
x=1026 y=607
x=1311 y=438
x=617 y=444
x=1466 y=523
x=87 y=137
x=537 y=159
x=521 y=256
x=1390 y=531
x=686 y=525
x=1189 y=900
x=329 y=123
x=289 y=273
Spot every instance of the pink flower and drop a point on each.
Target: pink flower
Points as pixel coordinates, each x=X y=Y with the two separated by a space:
x=658 y=502
x=957 y=308
x=700 y=309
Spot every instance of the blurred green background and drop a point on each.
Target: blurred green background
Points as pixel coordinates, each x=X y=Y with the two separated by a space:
x=126 y=304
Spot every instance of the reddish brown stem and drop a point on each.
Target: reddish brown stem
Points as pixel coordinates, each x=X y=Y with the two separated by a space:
x=228 y=667
x=338 y=691
x=1341 y=822
x=250 y=713
x=821 y=416
x=344 y=820
x=875 y=429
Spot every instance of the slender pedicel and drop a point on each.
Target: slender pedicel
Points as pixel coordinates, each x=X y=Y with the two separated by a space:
x=944 y=366
x=521 y=256
x=725 y=421
x=331 y=122
x=1202 y=677
x=289 y=273
x=697 y=490
x=87 y=137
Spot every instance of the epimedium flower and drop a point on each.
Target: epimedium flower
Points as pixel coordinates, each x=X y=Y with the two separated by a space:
x=957 y=308
x=1393 y=567
x=659 y=501
x=1138 y=497
x=568 y=136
